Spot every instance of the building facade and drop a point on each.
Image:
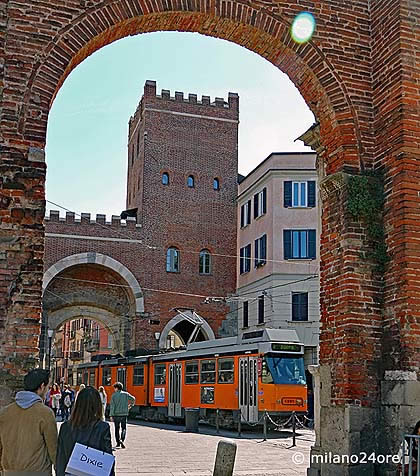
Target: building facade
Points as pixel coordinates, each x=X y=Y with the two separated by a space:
x=76 y=342
x=278 y=245
x=146 y=275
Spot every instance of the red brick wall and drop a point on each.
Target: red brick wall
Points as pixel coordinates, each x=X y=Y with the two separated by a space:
x=360 y=77
x=396 y=73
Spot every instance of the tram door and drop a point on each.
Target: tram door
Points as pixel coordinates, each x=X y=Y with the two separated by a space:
x=248 y=388
x=122 y=376
x=175 y=382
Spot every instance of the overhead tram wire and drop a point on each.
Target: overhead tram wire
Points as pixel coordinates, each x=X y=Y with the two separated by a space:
x=154 y=248
x=281 y=285
x=143 y=288
x=224 y=299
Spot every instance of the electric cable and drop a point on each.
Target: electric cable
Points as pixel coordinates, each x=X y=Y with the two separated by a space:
x=152 y=247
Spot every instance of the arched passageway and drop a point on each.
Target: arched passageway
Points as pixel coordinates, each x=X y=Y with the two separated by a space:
x=361 y=86
x=92 y=286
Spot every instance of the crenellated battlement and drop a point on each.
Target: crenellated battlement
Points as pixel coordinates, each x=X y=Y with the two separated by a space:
x=150 y=96
x=85 y=220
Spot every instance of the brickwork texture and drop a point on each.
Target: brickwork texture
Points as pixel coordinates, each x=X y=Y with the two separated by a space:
x=359 y=75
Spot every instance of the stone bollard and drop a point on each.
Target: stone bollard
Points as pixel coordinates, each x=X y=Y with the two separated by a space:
x=225 y=458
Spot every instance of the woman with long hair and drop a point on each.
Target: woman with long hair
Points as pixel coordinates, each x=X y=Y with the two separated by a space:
x=104 y=399
x=85 y=427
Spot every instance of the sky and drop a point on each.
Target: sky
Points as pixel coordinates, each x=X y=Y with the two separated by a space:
x=88 y=123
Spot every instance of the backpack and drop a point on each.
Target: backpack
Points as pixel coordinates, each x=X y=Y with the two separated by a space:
x=67 y=401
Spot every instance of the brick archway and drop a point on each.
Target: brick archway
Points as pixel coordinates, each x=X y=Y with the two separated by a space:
x=101 y=260
x=319 y=81
x=362 y=86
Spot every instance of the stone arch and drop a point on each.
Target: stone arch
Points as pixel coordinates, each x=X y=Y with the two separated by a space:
x=102 y=260
x=59 y=317
x=179 y=318
x=261 y=30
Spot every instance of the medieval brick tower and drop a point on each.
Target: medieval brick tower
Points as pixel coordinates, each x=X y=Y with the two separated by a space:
x=181 y=186
x=147 y=276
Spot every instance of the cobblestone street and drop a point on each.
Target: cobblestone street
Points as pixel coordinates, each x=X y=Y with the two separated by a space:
x=168 y=451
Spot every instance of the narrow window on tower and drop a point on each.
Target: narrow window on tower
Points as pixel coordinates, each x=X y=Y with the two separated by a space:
x=216 y=184
x=205 y=262
x=191 y=181
x=172 y=260
x=165 y=178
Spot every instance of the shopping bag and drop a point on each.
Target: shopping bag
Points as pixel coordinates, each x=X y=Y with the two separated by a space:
x=87 y=461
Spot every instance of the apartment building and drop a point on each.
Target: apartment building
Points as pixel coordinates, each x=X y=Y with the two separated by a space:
x=278 y=245
x=76 y=342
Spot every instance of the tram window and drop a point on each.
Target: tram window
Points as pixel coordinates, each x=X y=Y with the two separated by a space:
x=225 y=371
x=92 y=378
x=106 y=377
x=79 y=377
x=138 y=375
x=191 y=372
x=284 y=369
x=71 y=379
x=85 y=377
x=265 y=373
x=207 y=395
x=160 y=374
x=208 y=371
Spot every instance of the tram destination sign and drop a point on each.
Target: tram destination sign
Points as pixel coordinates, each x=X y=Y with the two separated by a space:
x=286 y=347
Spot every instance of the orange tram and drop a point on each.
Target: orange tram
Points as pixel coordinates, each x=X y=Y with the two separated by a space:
x=255 y=372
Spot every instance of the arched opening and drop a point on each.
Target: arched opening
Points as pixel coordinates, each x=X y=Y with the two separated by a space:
x=187 y=326
x=340 y=93
x=93 y=288
x=80 y=335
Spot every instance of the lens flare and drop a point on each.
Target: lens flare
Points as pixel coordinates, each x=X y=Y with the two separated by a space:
x=303 y=27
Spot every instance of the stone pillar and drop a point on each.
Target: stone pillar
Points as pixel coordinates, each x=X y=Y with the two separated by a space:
x=314 y=370
x=400 y=410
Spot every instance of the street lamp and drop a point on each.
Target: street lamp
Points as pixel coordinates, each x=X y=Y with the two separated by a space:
x=50 y=334
x=157 y=337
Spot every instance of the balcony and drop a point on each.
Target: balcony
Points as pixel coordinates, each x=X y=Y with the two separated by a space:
x=76 y=355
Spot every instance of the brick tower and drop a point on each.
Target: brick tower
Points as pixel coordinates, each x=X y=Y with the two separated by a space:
x=181 y=186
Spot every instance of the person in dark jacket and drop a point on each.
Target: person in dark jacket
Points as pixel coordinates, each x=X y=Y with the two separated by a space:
x=65 y=403
x=86 y=427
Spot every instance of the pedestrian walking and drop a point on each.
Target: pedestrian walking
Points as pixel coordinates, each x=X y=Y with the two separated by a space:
x=65 y=403
x=55 y=395
x=28 y=431
x=86 y=427
x=104 y=398
x=73 y=397
x=121 y=402
x=81 y=387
